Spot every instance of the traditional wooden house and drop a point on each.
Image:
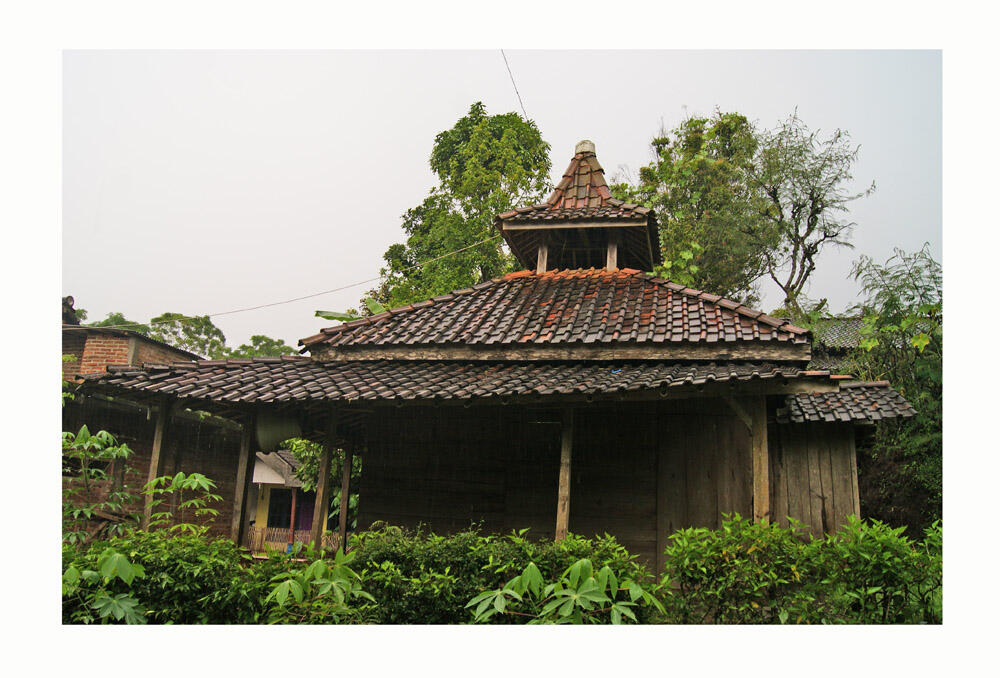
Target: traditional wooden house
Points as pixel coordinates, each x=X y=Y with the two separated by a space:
x=580 y=394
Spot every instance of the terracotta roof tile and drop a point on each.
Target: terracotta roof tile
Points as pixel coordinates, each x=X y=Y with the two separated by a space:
x=560 y=307
x=305 y=379
x=855 y=402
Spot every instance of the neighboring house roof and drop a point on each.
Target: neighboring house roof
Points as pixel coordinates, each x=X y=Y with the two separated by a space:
x=117 y=332
x=592 y=306
x=838 y=332
x=856 y=401
x=290 y=379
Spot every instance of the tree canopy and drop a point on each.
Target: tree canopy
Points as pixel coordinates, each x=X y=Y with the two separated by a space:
x=485 y=164
x=699 y=184
x=736 y=203
x=261 y=345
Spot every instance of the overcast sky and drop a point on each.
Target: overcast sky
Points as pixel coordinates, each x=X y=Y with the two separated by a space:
x=201 y=182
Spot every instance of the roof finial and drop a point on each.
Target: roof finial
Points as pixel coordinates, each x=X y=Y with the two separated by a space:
x=585 y=146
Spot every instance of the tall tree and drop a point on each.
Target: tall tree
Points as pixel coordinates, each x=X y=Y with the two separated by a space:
x=485 y=164
x=699 y=184
x=118 y=319
x=261 y=345
x=803 y=182
x=197 y=334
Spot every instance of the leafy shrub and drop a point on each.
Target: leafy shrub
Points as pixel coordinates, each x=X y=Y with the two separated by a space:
x=873 y=574
x=319 y=593
x=188 y=579
x=762 y=573
x=424 y=578
x=734 y=574
x=579 y=596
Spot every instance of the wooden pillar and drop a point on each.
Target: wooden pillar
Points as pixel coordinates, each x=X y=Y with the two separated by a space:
x=291 y=520
x=543 y=256
x=345 y=495
x=759 y=462
x=565 y=461
x=614 y=237
x=156 y=456
x=322 y=506
x=244 y=478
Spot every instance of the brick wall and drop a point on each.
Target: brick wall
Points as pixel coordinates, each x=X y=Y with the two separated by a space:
x=191 y=446
x=72 y=344
x=149 y=352
x=95 y=350
x=102 y=350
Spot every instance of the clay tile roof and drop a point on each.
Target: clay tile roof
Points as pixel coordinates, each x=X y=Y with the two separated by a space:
x=581 y=195
x=565 y=307
x=305 y=379
x=857 y=402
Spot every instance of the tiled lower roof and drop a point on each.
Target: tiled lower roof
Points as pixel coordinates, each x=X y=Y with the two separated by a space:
x=290 y=379
x=591 y=306
x=855 y=402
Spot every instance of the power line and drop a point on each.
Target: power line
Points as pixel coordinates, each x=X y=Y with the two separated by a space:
x=511 y=74
x=307 y=296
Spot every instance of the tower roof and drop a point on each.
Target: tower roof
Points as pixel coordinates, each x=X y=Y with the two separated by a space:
x=577 y=220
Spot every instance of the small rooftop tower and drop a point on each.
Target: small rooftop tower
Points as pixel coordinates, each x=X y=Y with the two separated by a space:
x=581 y=225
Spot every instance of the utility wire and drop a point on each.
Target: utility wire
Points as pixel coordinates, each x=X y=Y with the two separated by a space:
x=511 y=74
x=307 y=296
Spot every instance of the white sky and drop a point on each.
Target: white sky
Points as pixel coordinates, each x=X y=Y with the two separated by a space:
x=209 y=181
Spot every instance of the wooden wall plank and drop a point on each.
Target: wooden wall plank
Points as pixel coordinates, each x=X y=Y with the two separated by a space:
x=815 y=492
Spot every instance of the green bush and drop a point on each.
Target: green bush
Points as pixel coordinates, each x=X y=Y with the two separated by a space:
x=424 y=578
x=736 y=574
x=761 y=573
x=188 y=579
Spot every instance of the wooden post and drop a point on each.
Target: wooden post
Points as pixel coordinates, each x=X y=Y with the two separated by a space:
x=543 y=256
x=244 y=478
x=156 y=456
x=322 y=506
x=345 y=495
x=759 y=462
x=613 y=239
x=565 y=460
x=291 y=520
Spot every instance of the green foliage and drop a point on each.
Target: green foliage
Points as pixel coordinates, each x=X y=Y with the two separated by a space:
x=421 y=578
x=261 y=345
x=485 y=164
x=88 y=589
x=116 y=319
x=801 y=184
x=308 y=454
x=578 y=596
x=197 y=334
x=168 y=494
x=319 y=593
x=699 y=184
x=186 y=579
x=761 y=573
x=902 y=341
x=93 y=468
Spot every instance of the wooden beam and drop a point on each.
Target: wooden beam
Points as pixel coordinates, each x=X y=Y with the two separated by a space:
x=614 y=239
x=244 y=478
x=543 y=257
x=553 y=226
x=565 y=462
x=740 y=412
x=721 y=351
x=345 y=495
x=156 y=455
x=322 y=506
x=759 y=462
